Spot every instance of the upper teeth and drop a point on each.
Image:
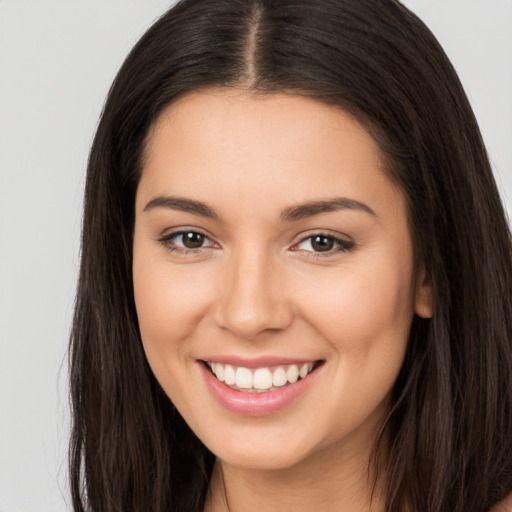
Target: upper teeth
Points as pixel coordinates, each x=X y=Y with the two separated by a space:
x=260 y=379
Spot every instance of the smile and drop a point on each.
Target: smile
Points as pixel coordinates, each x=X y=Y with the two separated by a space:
x=260 y=380
x=258 y=388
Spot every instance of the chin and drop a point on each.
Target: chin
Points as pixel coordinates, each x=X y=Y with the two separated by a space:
x=258 y=459
x=267 y=448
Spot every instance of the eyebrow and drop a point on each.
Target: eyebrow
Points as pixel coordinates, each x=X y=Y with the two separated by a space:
x=312 y=208
x=182 y=204
x=289 y=214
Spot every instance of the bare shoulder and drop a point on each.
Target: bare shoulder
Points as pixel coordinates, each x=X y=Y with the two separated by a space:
x=504 y=506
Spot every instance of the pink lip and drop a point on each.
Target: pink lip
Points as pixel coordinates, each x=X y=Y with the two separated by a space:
x=257 y=362
x=255 y=404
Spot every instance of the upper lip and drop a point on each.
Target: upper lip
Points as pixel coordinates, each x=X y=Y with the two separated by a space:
x=257 y=362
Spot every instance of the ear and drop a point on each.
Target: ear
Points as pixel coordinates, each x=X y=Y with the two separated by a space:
x=424 y=300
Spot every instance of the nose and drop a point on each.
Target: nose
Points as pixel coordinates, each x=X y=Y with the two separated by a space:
x=252 y=298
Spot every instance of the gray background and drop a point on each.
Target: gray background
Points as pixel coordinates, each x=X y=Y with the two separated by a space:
x=57 y=59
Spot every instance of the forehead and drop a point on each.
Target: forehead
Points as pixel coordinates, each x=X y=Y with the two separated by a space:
x=235 y=117
x=274 y=145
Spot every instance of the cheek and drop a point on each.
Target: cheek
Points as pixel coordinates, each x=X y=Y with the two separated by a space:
x=170 y=301
x=364 y=314
x=161 y=301
x=364 y=309
x=169 y=305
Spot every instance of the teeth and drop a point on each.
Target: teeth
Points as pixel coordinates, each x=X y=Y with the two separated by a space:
x=279 y=377
x=260 y=379
x=292 y=374
x=229 y=374
x=243 y=378
x=305 y=369
x=219 y=371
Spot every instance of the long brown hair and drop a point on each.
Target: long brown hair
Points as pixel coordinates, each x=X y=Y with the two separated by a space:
x=451 y=448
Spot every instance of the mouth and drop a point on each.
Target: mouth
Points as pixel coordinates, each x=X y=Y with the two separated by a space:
x=258 y=387
x=263 y=379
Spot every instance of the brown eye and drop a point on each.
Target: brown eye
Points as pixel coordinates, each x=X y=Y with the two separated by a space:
x=192 y=240
x=183 y=241
x=322 y=243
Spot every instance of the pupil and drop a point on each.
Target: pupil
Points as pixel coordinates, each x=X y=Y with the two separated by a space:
x=193 y=240
x=322 y=243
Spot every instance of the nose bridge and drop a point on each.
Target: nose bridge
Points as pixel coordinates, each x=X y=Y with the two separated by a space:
x=253 y=299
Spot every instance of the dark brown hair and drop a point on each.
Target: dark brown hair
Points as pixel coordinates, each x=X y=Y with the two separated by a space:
x=451 y=447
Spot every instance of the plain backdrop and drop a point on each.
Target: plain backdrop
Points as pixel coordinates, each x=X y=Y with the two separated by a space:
x=57 y=60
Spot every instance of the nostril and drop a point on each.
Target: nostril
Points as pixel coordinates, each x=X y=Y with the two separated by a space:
x=249 y=319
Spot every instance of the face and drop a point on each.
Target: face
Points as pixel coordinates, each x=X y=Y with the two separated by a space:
x=273 y=274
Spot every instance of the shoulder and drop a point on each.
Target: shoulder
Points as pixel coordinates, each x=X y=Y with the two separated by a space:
x=504 y=506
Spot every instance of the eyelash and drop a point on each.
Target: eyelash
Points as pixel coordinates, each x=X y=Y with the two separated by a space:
x=340 y=245
x=167 y=242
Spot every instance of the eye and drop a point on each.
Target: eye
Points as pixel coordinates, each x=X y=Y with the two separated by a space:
x=184 y=241
x=190 y=240
x=323 y=243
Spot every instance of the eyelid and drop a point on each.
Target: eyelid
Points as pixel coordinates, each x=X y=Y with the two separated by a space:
x=344 y=243
x=166 y=240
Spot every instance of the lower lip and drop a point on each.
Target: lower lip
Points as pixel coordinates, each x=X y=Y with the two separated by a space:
x=255 y=404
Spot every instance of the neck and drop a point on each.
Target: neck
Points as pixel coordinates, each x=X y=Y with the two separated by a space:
x=334 y=479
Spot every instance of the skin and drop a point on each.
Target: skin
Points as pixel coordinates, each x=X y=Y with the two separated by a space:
x=257 y=288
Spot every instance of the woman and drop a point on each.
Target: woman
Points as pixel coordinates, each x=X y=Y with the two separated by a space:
x=296 y=277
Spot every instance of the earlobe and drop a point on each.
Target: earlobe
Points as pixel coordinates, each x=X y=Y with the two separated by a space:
x=424 y=301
